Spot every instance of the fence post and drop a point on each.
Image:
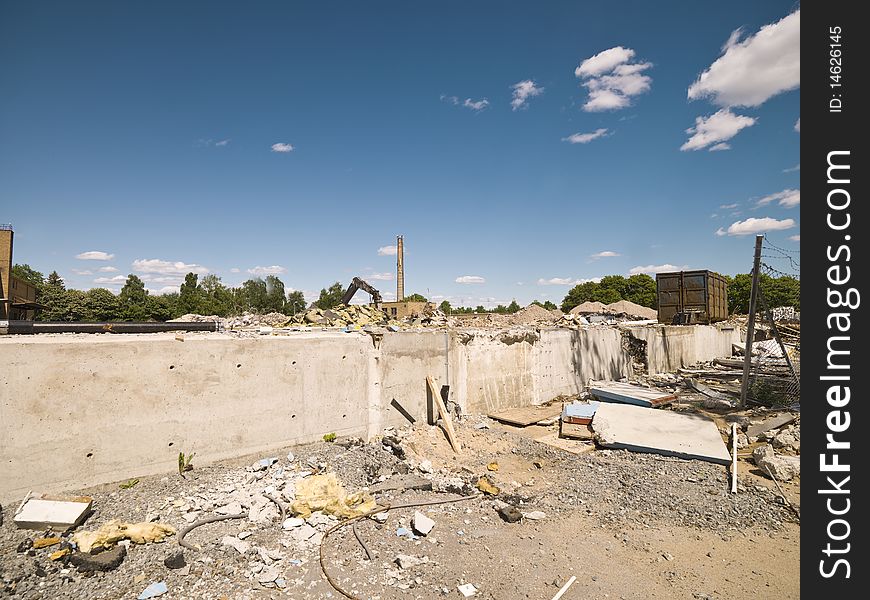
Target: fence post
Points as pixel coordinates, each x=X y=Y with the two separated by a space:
x=750 y=327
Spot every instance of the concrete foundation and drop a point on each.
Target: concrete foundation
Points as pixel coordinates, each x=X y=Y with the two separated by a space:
x=79 y=410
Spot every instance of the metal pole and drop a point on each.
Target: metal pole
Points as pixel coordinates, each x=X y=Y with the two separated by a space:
x=750 y=327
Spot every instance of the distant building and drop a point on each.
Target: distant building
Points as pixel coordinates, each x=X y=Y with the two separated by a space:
x=17 y=297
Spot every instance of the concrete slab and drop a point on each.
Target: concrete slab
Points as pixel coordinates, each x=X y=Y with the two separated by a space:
x=615 y=391
x=579 y=413
x=660 y=432
x=772 y=423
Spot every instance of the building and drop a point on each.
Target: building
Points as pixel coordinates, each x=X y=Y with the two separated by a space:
x=17 y=297
x=401 y=309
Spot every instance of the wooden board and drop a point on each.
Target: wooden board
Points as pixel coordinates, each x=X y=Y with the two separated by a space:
x=576 y=432
x=445 y=416
x=626 y=393
x=527 y=415
x=772 y=423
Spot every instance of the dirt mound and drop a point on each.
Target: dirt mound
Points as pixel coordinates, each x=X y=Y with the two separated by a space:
x=624 y=307
x=589 y=308
x=531 y=314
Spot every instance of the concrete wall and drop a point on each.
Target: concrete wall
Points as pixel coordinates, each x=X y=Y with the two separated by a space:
x=670 y=347
x=78 y=410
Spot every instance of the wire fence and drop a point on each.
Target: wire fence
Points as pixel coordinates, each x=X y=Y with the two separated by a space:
x=774 y=377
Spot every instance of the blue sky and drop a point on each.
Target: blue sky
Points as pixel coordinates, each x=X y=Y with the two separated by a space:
x=301 y=138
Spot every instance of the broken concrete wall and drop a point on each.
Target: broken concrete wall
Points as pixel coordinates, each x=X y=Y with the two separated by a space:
x=81 y=410
x=78 y=412
x=670 y=347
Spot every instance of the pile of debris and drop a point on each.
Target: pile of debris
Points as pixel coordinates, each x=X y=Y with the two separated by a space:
x=532 y=314
x=355 y=316
x=195 y=318
x=248 y=319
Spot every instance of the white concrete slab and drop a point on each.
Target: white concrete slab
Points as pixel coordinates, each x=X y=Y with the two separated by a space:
x=659 y=431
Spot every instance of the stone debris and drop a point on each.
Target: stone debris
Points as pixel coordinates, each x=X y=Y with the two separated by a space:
x=406 y=562
x=104 y=561
x=509 y=513
x=153 y=590
x=422 y=524
x=770 y=463
x=240 y=546
x=467 y=590
x=535 y=515
x=175 y=560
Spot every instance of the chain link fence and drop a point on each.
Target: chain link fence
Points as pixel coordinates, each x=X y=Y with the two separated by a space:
x=774 y=377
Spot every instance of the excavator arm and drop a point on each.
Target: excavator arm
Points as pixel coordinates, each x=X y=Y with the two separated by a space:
x=358 y=284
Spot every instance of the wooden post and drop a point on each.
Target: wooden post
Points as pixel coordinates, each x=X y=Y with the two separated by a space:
x=445 y=416
x=750 y=327
x=734 y=461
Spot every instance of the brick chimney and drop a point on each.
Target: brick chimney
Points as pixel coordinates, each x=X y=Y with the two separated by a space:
x=400 y=268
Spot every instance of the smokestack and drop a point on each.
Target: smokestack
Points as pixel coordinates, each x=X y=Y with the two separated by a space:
x=5 y=270
x=400 y=268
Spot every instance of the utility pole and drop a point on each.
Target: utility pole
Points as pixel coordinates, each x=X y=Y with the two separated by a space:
x=750 y=327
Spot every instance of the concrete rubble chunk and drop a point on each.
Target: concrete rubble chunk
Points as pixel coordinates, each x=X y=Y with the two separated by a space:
x=770 y=463
x=241 y=546
x=268 y=575
x=233 y=508
x=511 y=514
x=467 y=590
x=406 y=562
x=175 y=560
x=535 y=515
x=292 y=523
x=422 y=524
x=42 y=512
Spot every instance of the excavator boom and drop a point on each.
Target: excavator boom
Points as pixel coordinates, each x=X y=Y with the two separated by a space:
x=358 y=284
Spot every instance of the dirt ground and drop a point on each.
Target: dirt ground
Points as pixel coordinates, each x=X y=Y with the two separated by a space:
x=626 y=525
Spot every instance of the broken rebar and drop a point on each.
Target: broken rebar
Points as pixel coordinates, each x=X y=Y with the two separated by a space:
x=205 y=521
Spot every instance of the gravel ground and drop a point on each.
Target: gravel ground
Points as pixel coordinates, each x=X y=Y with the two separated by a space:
x=603 y=495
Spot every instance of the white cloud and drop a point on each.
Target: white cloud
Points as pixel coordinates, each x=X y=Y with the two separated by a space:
x=795 y=238
x=263 y=271
x=167 y=289
x=720 y=146
x=718 y=127
x=522 y=91
x=108 y=269
x=729 y=206
x=585 y=138
x=797 y=167
x=282 y=147
x=787 y=198
x=797 y=126
x=557 y=281
x=83 y=272
x=388 y=251
x=753 y=225
x=475 y=104
x=95 y=255
x=652 y=269
x=470 y=279
x=222 y=143
x=612 y=80
x=381 y=276
x=604 y=254
x=604 y=61
x=167 y=279
x=116 y=280
x=751 y=71
x=235 y=270
x=154 y=265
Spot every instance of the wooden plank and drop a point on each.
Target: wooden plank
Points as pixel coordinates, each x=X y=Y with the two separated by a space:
x=445 y=416
x=626 y=393
x=772 y=423
x=527 y=415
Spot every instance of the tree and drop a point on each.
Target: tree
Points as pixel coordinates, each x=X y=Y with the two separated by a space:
x=480 y=309
x=416 y=298
x=546 y=304
x=274 y=294
x=445 y=307
x=641 y=289
x=160 y=308
x=215 y=297
x=295 y=303
x=132 y=299
x=101 y=305
x=330 y=298
x=28 y=274
x=53 y=295
x=515 y=307
x=778 y=291
x=252 y=295
x=189 y=294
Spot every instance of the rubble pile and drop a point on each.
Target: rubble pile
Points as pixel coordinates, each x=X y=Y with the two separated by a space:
x=357 y=315
x=195 y=318
x=531 y=314
x=247 y=319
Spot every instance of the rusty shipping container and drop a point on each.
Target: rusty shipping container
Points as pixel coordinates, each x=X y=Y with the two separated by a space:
x=702 y=294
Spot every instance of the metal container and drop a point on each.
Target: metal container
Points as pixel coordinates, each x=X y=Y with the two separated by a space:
x=692 y=296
